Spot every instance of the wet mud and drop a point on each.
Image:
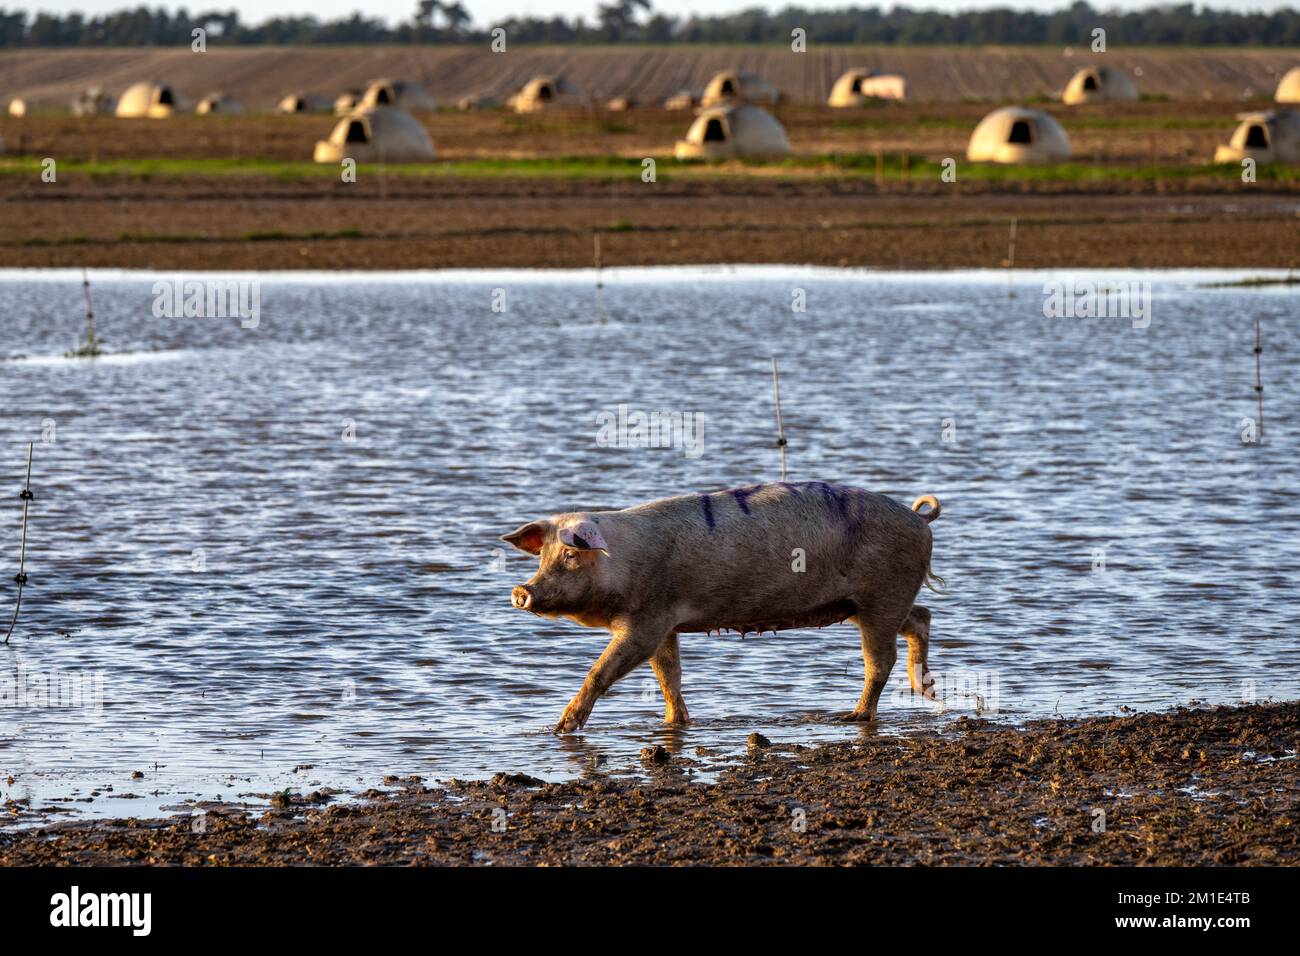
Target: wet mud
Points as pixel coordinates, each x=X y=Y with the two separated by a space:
x=1188 y=787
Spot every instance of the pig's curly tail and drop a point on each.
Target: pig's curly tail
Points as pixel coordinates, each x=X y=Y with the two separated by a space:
x=935 y=583
x=932 y=580
x=930 y=500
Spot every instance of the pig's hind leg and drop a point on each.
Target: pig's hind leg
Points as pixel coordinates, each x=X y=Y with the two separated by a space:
x=667 y=665
x=917 y=631
x=633 y=644
x=880 y=630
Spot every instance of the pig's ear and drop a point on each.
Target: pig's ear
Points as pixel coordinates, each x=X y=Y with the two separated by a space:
x=530 y=537
x=584 y=536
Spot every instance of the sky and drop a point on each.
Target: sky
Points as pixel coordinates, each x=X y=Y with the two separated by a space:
x=486 y=11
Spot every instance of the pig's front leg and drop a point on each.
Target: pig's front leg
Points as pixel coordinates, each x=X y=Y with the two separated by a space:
x=633 y=643
x=667 y=664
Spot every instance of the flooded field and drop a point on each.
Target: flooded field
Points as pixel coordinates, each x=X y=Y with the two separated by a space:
x=263 y=554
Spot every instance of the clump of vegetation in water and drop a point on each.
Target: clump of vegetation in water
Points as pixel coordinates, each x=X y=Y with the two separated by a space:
x=1252 y=281
x=88 y=349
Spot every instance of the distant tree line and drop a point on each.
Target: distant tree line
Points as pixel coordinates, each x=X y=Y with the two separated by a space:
x=634 y=21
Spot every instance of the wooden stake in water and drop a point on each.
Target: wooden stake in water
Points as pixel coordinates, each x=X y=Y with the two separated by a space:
x=1011 y=257
x=1259 y=381
x=780 y=431
x=21 y=578
x=600 y=281
x=89 y=349
x=90 y=313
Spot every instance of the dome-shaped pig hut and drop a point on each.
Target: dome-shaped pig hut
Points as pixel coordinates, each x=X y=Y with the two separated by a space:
x=300 y=103
x=93 y=102
x=1288 y=91
x=547 y=92
x=477 y=101
x=345 y=103
x=860 y=87
x=1016 y=135
x=731 y=86
x=681 y=100
x=1263 y=137
x=726 y=131
x=154 y=100
x=218 y=103
x=405 y=95
x=1098 y=84
x=386 y=135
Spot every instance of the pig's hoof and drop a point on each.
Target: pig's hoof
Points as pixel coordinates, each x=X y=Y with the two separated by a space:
x=568 y=724
x=858 y=717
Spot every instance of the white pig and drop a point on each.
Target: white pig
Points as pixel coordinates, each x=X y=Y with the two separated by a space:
x=763 y=558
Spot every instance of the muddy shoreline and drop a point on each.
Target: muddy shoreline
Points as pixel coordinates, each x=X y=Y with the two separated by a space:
x=1184 y=788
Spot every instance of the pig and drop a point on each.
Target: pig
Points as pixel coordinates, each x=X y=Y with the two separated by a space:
x=766 y=557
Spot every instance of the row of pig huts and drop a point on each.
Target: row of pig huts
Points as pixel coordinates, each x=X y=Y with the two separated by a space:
x=161 y=100
x=732 y=116
x=855 y=87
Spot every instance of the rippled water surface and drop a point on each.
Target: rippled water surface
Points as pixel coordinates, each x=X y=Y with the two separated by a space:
x=256 y=602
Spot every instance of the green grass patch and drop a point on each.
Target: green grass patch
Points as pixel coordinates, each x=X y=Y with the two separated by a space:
x=881 y=121
x=595 y=167
x=894 y=166
x=277 y=235
x=1254 y=281
x=1070 y=121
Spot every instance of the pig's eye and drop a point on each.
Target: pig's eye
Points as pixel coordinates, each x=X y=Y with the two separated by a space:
x=570 y=557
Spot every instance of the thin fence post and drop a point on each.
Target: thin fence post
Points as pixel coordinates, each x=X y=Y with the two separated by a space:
x=600 y=278
x=90 y=312
x=1011 y=257
x=1259 y=381
x=21 y=577
x=780 y=430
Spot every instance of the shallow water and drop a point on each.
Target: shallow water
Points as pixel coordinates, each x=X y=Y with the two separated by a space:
x=246 y=592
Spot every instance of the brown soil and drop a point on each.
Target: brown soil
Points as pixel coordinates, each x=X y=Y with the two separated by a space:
x=738 y=214
x=260 y=76
x=1188 y=788
x=422 y=224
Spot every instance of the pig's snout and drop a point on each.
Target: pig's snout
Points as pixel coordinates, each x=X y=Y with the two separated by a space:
x=521 y=597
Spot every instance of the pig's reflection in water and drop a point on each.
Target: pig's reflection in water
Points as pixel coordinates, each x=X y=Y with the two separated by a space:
x=586 y=758
x=583 y=756
x=672 y=737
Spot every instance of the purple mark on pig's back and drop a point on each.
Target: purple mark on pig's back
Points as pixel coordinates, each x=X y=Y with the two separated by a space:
x=741 y=494
x=708 y=511
x=847 y=506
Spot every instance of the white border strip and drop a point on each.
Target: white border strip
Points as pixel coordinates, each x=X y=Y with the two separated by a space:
x=650 y=274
